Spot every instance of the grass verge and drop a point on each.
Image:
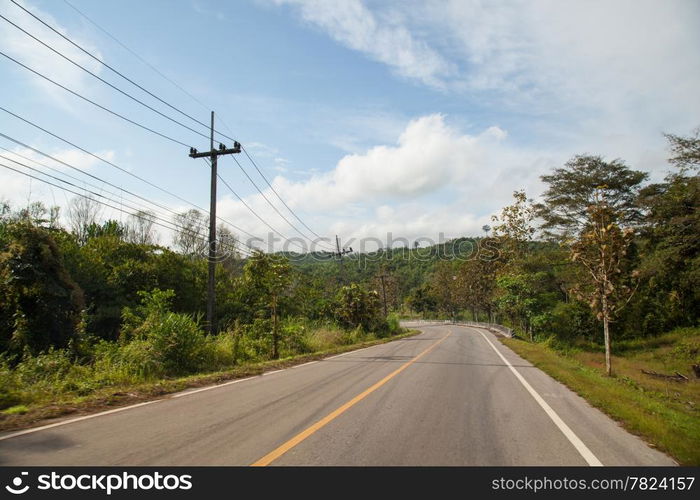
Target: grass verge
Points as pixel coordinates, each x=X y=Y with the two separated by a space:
x=662 y=412
x=24 y=416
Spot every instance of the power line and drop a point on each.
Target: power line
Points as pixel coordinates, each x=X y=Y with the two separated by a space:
x=79 y=187
x=91 y=101
x=256 y=214
x=100 y=78
x=88 y=53
x=153 y=216
x=20 y=143
x=143 y=206
x=80 y=194
x=279 y=197
x=144 y=104
x=29 y=122
x=97 y=157
x=323 y=240
x=163 y=101
x=144 y=61
x=148 y=217
x=269 y=202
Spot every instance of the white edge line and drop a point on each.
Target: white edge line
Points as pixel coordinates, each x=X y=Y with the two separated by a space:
x=209 y=388
x=587 y=454
x=339 y=355
x=72 y=420
x=273 y=371
x=305 y=364
x=357 y=350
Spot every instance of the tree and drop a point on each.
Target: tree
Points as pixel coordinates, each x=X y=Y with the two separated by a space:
x=445 y=286
x=478 y=279
x=670 y=245
x=573 y=188
x=601 y=250
x=421 y=300
x=191 y=228
x=514 y=228
x=267 y=278
x=355 y=307
x=140 y=228
x=41 y=305
x=227 y=247
x=36 y=213
x=523 y=299
x=83 y=212
x=110 y=228
x=685 y=151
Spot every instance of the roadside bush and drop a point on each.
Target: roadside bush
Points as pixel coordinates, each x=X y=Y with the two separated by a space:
x=295 y=338
x=10 y=394
x=571 y=320
x=357 y=307
x=167 y=342
x=393 y=325
x=51 y=366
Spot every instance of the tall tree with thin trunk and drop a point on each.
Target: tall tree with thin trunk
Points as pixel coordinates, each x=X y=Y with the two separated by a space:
x=601 y=249
x=140 y=228
x=83 y=214
x=190 y=236
x=267 y=279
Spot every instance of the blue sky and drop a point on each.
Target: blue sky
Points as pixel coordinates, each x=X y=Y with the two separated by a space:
x=370 y=117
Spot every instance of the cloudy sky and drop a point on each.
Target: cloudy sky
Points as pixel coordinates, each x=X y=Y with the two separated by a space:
x=368 y=117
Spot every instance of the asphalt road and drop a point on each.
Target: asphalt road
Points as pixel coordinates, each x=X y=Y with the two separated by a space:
x=444 y=397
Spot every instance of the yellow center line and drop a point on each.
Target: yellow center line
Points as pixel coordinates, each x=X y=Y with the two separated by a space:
x=284 y=448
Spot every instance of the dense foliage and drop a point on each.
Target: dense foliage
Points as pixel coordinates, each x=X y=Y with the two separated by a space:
x=611 y=253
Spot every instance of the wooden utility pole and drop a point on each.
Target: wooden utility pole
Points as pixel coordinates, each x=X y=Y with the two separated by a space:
x=339 y=253
x=381 y=277
x=213 y=154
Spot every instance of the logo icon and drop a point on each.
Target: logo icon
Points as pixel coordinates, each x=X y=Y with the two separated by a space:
x=17 y=482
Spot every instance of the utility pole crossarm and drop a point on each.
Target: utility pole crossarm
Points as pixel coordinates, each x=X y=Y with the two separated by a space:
x=208 y=154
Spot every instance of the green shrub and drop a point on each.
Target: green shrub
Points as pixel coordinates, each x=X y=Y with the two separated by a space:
x=176 y=341
x=51 y=367
x=393 y=324
x=10 y=394
x=571 y=320
x=160 y=340
x=295 y=338
x=356 y=306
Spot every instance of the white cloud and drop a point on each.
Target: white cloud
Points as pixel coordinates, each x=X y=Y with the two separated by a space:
x=429 y=155
x=36 y=56
x=434 y=179
x=606 y=55
x=351 y=23
x=631 y=66
x=20 y=190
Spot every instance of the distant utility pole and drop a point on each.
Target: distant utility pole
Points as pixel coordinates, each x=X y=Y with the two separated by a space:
x=339 y=253
x=382 y=277
x=213 y=154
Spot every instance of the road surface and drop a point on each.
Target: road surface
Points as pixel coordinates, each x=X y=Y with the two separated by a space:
x=452 y=395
